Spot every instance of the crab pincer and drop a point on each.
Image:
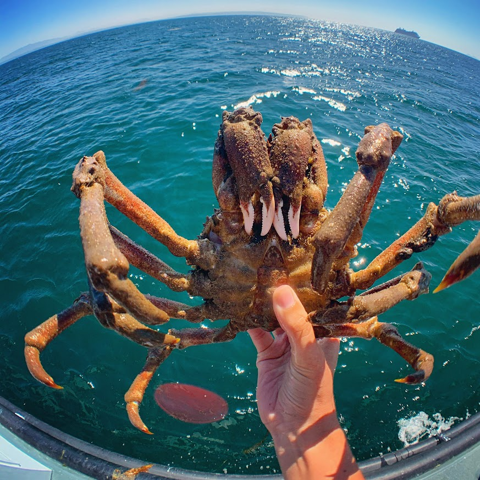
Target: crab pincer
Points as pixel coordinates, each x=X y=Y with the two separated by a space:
x=245 y=156
x=295 y=154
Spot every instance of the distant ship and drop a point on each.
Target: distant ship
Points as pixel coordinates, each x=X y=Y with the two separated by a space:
x=406 y=32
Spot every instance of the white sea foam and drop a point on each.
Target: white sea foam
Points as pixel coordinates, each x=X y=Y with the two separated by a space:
x=291 y=72
x=287 y=72
x=302 y=90
x=413 y=429
x=330 y=141
x=270 y=70
x=333 y=103
x=291 y=39
x=257 y=98
x=348 y=93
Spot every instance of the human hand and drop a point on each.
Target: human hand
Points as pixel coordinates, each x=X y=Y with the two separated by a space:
x=295 y=394
x=295 y=370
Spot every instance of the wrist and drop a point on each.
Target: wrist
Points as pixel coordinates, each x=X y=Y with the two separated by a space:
x=302 y=424
x=319 y=450
x=298 y=438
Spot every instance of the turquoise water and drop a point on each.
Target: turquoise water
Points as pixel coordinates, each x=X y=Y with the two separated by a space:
x=151 y=97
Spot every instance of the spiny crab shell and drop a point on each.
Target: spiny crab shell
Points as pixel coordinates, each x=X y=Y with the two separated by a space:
x=271 y=229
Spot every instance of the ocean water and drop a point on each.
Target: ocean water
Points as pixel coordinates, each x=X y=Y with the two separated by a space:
x=151 y=97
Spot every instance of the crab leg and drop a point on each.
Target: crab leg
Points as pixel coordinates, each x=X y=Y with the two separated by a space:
x=149 y=263
x=357 y=232
x=38 y=339
x=113 y=316
x=387 y=334
x=373 y=157
x=196 y=252
x=178 y=282
x=454 y=210
x=107 y=267
x=188 y=337
x=203 y=336
x=437 y=221
x=134 y=395
x=197 y=314
x=463 y=266
x=110 y=315
x=381 y=299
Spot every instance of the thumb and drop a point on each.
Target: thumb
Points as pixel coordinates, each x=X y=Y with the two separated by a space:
x=292 y=317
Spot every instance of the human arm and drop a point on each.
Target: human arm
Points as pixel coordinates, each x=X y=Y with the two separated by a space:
x=295 y=396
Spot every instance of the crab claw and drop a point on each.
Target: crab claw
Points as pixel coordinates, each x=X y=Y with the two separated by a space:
x=268 y=209
x=294 y=154
x=241 y=152
x=268 y=212
x=294 y=207
x=463 y=266
x=278 y=221
x=248 y=215
x=294 y=220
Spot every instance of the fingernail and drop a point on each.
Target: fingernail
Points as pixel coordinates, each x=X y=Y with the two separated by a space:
x=286 y=299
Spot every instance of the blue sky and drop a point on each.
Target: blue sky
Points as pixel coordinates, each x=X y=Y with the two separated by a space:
x=451 y=23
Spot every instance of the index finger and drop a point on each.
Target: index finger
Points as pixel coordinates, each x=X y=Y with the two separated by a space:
x=261 y=339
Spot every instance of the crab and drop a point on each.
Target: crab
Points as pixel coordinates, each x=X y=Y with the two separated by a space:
x=271 y=228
